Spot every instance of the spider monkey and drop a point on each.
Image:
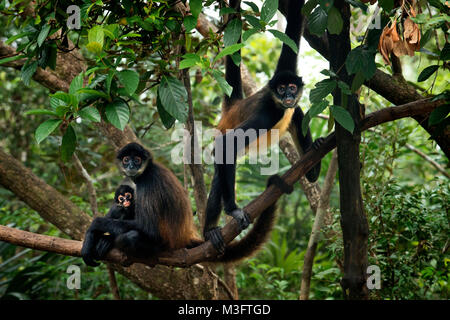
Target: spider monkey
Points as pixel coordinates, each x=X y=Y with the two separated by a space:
x=272 y=107
x=122 y=209
x=163 y=218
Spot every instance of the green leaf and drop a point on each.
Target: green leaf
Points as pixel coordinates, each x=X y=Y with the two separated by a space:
x=248 y=33
x=358 y=80
x=343 y=117
x=318 y=21
x=18 y=36
x=317 y=108
x=219 y=76
x=96 y=37
x=96 y=34
x=229 y=50
x=41 y=112
x=43 y=34
x=90 y=113
x=232 y=32
x=360 y=60
x=322 y=89
x=187 y=63
x=45 y=129
x=252 y=5
x=335 y=22
x=309 y=6
x=129 y=79
x=285 y=39
x=27 y=72
x=87 y=93
x=196 y=7
x=68 y=144
x=445 y=53
x=189 y=23
x=427 y=72
x=173 y=97
x=253 y=21
x=166 y=118
x=305 y=123
x=268 y=10
x=439 y=114
x=118 y=114
x=76 y=84
x=13 y=58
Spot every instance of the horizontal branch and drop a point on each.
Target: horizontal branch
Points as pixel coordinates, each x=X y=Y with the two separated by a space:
x=206 y=251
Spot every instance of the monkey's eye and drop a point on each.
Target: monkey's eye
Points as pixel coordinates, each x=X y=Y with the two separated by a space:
x=125 y=160
x=128 y=196
x=137 y=160
x=281 y=89
x=121 y=198
x=293 y=88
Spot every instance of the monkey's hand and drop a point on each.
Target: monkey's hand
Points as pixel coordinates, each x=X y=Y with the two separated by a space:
x=317 y=143
x=215 y=235
x=241 y=217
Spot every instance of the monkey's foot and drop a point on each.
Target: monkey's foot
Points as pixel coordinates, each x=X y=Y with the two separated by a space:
x=215 y=235
x=241 y=217
x=317 y=143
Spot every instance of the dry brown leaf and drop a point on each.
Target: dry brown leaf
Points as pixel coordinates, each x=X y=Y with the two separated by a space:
x=400 y=49
x=394 y=32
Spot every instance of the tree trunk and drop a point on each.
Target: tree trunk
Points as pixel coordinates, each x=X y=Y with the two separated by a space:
x=353 y=219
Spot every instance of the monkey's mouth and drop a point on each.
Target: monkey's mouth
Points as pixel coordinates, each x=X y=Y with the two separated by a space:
x=289 y=103
x=131 y=172
x=126 y=204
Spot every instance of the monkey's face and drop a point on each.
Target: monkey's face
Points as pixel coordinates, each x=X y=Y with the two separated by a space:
x=125 y=200
x=288 y=94
x=132 y=165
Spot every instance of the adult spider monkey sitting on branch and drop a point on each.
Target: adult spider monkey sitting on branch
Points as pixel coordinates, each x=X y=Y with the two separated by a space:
x=162 y=219
x=272 y=107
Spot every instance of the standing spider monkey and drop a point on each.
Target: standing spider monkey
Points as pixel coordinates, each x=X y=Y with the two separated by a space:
x=163 y=218
x=272 y=107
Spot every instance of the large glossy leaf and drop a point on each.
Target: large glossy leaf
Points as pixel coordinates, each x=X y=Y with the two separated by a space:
x=232 y=32
x=173 y=97
x=268 y=10
x=219 y=76
x=45 y=129
x=129 y=79
x=118 y=114
x=68 y=144
x=427 y=72
x=90 y=113
x=285 y=39
x=343 y=117
x=322 y=89
x=318 y=21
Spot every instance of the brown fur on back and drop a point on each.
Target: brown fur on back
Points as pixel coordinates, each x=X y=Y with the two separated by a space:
x=183 y=233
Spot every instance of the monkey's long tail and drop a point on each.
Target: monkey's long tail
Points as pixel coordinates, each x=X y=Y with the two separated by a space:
x=253 y=240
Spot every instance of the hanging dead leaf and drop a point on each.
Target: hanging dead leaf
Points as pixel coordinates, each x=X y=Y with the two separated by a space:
x=400 y=48
x=390 y=41
x=411 y=36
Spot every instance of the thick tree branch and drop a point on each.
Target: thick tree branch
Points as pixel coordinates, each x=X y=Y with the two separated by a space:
x=206 y=251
